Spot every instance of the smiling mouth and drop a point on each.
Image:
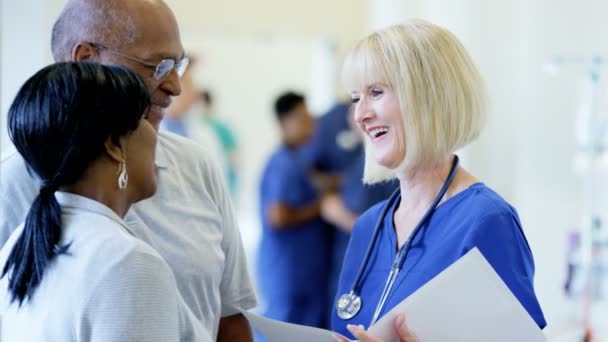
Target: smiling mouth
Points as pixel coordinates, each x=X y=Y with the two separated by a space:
x=157 y=110
x=377 y=132
x=158 y=107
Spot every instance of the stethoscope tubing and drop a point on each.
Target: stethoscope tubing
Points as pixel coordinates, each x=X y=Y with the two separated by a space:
x=404 y=250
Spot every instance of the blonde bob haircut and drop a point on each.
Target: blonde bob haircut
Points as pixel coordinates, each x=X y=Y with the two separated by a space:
x=440 y=91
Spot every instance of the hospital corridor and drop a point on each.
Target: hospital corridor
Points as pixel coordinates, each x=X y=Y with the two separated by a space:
x=265 y=171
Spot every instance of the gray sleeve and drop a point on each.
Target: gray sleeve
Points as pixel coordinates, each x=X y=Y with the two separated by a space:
x=135 y=300
x=191 y=328
x=236 y=289
x=17 y=192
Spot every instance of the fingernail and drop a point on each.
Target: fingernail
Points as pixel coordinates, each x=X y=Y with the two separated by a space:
x=400 y=319
x=352 y=327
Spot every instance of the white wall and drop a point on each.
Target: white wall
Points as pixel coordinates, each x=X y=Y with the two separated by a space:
x=26 y=24
x=341 y=20
x=25 y=28
x=550 y=191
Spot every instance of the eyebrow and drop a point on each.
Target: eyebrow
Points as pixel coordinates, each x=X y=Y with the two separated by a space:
x=367 y=87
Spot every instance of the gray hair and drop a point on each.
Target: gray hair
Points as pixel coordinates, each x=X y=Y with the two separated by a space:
x=103 y=22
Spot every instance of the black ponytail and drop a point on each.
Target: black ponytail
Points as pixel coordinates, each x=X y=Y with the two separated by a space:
x=36 y=245
x=59 y=122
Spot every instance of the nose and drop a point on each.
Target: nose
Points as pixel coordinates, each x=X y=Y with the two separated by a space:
x=171 y=83
x=363 y=112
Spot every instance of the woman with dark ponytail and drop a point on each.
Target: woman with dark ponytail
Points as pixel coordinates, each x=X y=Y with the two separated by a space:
x=74 y=271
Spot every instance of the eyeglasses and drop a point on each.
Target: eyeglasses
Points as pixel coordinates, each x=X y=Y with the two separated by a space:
x=161 y=69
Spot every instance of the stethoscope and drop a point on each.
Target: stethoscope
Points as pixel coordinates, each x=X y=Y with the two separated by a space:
x=349 y=304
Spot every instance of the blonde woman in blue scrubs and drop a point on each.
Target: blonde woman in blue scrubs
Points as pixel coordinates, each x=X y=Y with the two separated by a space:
x=418 y=97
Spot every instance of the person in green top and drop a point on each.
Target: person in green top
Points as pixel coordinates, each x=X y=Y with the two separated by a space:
x=226 y=137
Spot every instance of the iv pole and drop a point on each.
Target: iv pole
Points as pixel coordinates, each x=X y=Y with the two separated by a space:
x=591 y=148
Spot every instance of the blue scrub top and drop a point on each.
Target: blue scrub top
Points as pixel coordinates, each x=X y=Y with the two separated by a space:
x=292 y=264
x=476 y=217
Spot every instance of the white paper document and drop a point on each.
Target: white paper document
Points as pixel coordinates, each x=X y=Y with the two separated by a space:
x=467 y=302
x=275 y=331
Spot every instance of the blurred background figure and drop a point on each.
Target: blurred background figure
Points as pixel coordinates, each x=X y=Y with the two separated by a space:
x=225 y=136
x=336 y=157
x=294 y=250
x=183 y=116
x=334 y=145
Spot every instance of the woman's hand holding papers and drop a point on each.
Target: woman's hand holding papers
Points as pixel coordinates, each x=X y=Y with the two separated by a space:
x=405 y=334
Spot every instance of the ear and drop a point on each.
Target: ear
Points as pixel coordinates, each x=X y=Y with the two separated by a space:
x=116 y=151
x=83 y=51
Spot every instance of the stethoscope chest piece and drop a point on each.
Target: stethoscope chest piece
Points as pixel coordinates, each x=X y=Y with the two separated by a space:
x=348 y=305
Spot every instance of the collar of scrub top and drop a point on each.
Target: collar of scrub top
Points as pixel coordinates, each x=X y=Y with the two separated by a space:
x=404 y=250
x=352 y=298
x=69 y=200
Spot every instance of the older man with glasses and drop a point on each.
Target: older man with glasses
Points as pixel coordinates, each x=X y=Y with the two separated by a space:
x=161 y=70
x=190 y=220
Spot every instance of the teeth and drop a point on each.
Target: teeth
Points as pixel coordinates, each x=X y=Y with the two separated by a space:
x=377 y=131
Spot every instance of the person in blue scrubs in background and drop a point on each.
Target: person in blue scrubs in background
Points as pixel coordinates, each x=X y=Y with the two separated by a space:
x=293 y=260
x=418 y=97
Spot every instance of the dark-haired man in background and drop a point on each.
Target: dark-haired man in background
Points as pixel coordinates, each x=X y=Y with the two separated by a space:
x=293 y=260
